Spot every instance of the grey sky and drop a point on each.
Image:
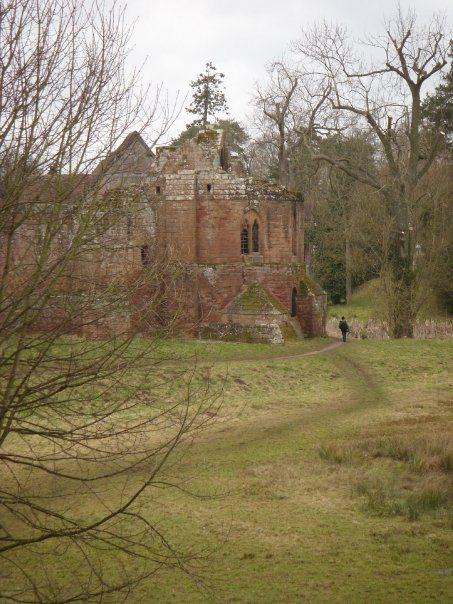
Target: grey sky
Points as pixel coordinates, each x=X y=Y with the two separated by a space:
x=240 y=36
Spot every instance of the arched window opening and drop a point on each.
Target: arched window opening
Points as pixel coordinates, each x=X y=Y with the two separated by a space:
x=144 y=252
x=294 y=302
x=223 y=159
x=255 y=237
x=245 y=240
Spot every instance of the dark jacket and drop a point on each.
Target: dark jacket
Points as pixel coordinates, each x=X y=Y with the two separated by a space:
x=343 y=326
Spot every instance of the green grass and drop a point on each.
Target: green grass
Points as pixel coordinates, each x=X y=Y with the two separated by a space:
x=386 y=497
x=368 y=302
x=295 y=527
x=328 y=477
x=207 y=351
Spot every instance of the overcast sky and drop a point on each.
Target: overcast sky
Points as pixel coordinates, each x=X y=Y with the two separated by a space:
x=239 y=36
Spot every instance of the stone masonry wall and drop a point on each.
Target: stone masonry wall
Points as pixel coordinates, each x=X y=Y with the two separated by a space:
x=219 y=284
x=175 y=241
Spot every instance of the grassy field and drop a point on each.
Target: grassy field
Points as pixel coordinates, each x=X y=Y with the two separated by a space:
x=323 y=478
x=337 y=474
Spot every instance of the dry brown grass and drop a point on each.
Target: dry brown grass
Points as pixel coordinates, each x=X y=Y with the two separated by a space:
x=430 y=452
x=402 y=473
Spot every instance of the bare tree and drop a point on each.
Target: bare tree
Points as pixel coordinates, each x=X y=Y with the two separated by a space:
x=87 y=426
x=340 y=92
x=274 y=114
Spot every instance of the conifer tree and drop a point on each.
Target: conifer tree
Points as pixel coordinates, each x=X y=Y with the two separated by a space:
x=236 y=137
x=208 y=97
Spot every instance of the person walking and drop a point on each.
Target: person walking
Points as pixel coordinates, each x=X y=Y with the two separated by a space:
x=343 y=327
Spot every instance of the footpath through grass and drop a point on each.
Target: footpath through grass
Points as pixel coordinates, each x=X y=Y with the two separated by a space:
x=332 y=475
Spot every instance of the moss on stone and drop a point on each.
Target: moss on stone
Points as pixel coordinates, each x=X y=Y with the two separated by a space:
x=308 y=286
x=256 y=299
x=207 y=136
x=288 y=332
x=258 y=188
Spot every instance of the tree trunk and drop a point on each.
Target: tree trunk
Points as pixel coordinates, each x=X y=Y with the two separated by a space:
x=283 y=170
x=205 y=106
x=402 y=276
x=401 y=305
x=348 y=269
x=283 y=167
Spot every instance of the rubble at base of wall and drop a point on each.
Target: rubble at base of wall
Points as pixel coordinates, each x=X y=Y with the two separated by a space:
x=268 y=333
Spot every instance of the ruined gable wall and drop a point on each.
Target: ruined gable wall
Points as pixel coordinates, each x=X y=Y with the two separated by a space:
x=175 y=182
x=177 y=214
x=200 y=153
x=129 y=165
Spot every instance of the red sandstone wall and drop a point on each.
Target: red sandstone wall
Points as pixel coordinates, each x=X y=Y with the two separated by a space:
x=199 y=218
x=177 y=216
x=222 y=213
x=218 y=285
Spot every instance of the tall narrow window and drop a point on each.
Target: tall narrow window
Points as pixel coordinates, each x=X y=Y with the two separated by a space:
x=294 y=244
x=129 y=225
x=294 y=302
x=223 y=159
x=144 y=251
x=255 y=237
x=245 y=240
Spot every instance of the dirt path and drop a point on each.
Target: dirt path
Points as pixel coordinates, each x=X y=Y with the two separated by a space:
x=364 y=394
x=288 y=515
x=296 y=355
x=327 y=348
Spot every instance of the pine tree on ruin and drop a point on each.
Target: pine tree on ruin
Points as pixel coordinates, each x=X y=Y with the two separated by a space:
x=208 y=97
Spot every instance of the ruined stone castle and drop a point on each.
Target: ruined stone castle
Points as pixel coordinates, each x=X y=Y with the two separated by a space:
x=184 y=233
x=240 y=240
